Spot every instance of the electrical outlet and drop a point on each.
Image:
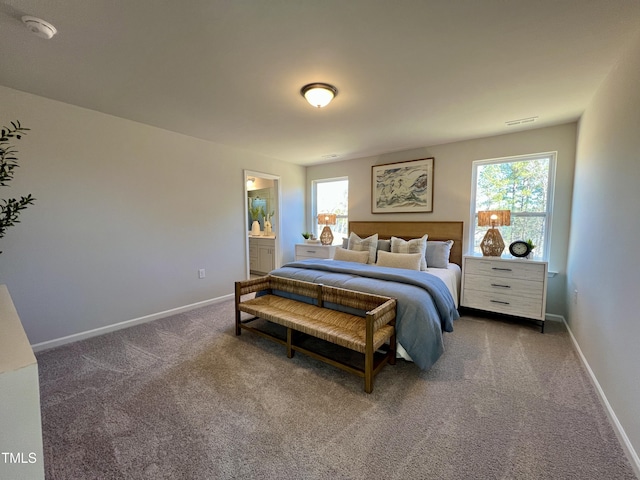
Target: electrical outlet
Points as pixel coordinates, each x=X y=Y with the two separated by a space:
x=201 y=273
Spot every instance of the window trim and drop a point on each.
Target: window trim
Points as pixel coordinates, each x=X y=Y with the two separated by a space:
x=552 y=155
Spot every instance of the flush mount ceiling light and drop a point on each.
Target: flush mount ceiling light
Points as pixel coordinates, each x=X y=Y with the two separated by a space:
x=319 y=94
x=39 y=27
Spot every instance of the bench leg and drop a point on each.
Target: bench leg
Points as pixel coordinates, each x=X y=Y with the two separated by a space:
x=238 y=330
x=238 y=297
x=392 y=348
x=368 y=369
x=289 y=349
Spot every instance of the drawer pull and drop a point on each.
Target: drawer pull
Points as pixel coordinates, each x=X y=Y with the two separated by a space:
x=311 y=251
x=502 y=269
x=498 y=301
x=500 y=286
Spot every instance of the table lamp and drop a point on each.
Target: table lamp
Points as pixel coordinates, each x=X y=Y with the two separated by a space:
x=492 y=244
x=326 y=219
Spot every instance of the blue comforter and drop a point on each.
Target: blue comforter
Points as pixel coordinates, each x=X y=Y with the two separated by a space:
x=425 y=307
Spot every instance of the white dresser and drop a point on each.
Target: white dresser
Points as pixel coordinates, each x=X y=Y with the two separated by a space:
x=515 y=287
x=20 y=420
x=309 y=250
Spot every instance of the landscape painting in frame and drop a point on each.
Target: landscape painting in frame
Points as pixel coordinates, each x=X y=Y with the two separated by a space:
x=402 y=187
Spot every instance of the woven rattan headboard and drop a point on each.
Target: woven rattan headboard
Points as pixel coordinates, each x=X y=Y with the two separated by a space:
x=409 y=230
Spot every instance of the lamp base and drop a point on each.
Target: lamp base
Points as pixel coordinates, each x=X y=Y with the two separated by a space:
x=326 y=237
x=492 y=244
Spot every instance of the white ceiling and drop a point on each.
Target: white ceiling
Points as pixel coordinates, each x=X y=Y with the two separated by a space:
x=410 y=73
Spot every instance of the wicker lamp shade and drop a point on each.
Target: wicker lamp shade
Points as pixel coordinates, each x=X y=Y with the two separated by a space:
x=494 y=218
x=492 y=244
x=326 y=219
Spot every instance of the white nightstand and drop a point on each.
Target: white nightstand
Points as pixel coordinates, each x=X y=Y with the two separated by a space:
x=515 y=287
x=308 y=250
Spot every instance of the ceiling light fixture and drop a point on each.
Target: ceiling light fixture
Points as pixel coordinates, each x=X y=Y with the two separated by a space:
x=39 y=27
x=319 y=94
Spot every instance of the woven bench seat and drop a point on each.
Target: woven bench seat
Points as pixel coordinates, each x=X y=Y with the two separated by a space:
x=343 y=329
x=365 y=334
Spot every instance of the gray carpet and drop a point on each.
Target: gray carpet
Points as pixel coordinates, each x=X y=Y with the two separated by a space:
x=184 y=398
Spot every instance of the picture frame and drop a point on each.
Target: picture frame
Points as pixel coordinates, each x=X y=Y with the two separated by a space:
x=403 y=187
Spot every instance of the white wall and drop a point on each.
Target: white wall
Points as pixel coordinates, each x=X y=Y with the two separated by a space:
x=452 y=186
x=604 y=259
x=125 y=216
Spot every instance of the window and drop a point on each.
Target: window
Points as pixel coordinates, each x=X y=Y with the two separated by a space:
x=331 y=196
x=523 y=185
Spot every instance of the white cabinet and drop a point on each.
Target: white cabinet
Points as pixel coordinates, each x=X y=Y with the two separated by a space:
x=20 y=421
x=308 y=250
x=262 y=254
x=509 y=286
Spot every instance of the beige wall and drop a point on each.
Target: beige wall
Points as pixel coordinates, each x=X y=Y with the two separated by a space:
x=452 y=186
x=604 y=259
x=125 y=216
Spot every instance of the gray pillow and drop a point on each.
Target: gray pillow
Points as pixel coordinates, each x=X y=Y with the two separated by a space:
x=384 y=245
x=438 y=253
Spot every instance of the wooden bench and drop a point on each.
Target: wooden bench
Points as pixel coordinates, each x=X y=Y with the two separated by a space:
x=366 y=334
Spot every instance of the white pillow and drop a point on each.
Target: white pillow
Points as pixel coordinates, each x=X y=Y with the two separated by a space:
x=369 y=244
x=409 y=261
x=438 y=253
x=417 y=245
x=351 y=255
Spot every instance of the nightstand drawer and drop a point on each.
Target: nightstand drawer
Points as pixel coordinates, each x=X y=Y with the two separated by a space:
x=501 y=303
x=521 y=269
x=304 y=251
x=504 y=285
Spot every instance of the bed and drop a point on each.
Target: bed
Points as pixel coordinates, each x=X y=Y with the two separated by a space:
x=427 y=299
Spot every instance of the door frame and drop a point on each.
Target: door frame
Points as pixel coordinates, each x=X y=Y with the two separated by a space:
x=277 y=227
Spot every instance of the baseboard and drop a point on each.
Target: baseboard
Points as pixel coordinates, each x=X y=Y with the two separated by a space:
x=632 y=455
x=37 y=347
x=552 y=317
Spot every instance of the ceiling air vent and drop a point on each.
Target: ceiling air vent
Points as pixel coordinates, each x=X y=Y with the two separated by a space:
x=520 y=121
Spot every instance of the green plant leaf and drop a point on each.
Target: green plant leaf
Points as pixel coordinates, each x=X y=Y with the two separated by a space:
x=11 y=208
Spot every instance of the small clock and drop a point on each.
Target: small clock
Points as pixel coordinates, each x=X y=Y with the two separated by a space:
x=520 y=249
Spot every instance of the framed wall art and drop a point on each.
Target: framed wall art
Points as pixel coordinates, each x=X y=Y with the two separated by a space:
x=402 y=187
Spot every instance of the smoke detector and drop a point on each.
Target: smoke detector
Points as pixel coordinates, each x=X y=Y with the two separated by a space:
x=39 y=27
